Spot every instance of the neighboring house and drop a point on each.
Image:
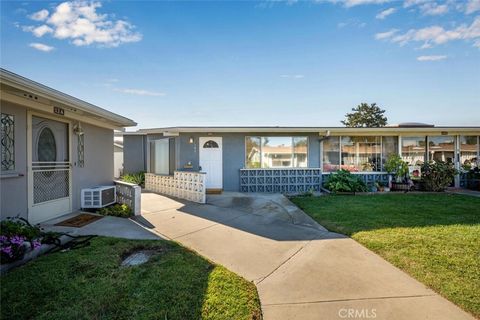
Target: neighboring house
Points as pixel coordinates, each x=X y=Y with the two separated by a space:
x=53 y=145
x=293 y=159
x=117 y=158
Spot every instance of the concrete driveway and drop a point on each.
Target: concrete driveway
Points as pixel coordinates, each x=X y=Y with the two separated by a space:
x=301 y=270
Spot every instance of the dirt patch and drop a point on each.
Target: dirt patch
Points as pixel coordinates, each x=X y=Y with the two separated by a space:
x=140 y=255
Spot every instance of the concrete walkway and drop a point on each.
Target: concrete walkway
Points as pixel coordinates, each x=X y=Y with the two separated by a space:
x=301 y=270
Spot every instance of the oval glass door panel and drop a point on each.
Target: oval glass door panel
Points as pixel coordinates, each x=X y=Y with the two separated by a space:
x=46 y=147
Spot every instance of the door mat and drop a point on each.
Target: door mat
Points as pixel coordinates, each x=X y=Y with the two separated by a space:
x=79 y=221
x=214 y=191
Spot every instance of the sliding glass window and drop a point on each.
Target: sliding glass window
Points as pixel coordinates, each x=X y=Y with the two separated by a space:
x=469 y=152
x=441 y=148
x=361 y=153
x=413 y=150
x=389 y=147
x=331 y=154
x=276 y=152
x=300 y=148
x=252 y=152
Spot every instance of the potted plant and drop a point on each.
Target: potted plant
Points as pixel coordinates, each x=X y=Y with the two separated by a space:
x=395 y=166
x=381 y=186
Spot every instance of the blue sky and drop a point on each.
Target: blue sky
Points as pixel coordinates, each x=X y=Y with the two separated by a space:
x=253 y=63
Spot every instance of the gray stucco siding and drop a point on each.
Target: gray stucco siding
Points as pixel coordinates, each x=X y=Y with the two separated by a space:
x=14 y=189
x=98 y=168
x=134 y=154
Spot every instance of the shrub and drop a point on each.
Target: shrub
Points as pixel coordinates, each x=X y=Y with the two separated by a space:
x=395 y=165
x=344 y=181
x=136 y=178
x=15 y=233
x=438 y=175
x=116 y=210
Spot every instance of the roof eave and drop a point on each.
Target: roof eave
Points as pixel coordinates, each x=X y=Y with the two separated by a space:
x=22 y=83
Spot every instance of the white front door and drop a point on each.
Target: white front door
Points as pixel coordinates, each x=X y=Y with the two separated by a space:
x=211 y=161
x=49 y=174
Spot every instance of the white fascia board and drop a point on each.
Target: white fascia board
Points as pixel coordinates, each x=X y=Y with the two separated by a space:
x=322 y=131
x=16 y=81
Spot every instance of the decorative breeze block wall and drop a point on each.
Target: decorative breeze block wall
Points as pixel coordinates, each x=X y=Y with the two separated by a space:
x=183 y=184
x=285 y=180
x=129 y=194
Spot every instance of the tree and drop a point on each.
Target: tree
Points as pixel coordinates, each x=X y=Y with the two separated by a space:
x=365 y=116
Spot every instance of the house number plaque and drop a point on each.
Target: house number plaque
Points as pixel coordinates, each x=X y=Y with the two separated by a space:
x=59 y=111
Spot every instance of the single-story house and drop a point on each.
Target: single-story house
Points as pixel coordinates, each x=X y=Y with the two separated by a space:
x=53 y=145
x=294 y=159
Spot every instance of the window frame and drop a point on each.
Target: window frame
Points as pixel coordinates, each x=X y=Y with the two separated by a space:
x=459 y=147
x=292 y=153
x=12 y=166
x=381 y=148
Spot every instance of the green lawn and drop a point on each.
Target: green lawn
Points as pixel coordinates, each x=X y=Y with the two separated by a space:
x=433 y=237
x=89 y=283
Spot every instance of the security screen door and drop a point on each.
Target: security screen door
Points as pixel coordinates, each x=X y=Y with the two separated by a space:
x=50 y=169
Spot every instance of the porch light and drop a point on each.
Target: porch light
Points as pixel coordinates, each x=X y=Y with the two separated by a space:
x=190 y=140
x=77 y=129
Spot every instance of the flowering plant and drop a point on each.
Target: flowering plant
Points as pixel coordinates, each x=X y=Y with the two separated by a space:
x=14 y=238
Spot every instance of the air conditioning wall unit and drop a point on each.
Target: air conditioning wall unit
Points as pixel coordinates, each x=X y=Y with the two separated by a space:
x=98 y=197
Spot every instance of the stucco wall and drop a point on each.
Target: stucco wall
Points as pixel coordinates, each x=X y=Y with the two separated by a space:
x=134 y=154
x=98 y=169
x=234 y=153
x=14 y=190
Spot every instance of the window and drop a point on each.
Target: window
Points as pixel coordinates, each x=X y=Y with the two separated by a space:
x=413 y=150
x=389 y=147
x=210 y=144
x=252 y=152
x=361 y=153
x=358 y=153
x=8 y=142
x=469 y=152
x=160 y=156
x=441 y=148
x=331 y=154
x=300 y=145
x=276 y=152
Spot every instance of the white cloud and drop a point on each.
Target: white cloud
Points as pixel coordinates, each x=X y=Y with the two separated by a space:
x=352 y=3
x=292 y=76
x=431 y=58
x=39 y=15
x=80 y=22
x=436 y=35
x=386 y=35
x=433 y=9
x=41 y=31
x=41 y=47
x=385 y=13
x=472 y=6
x=410 y=3
x=140 y=92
